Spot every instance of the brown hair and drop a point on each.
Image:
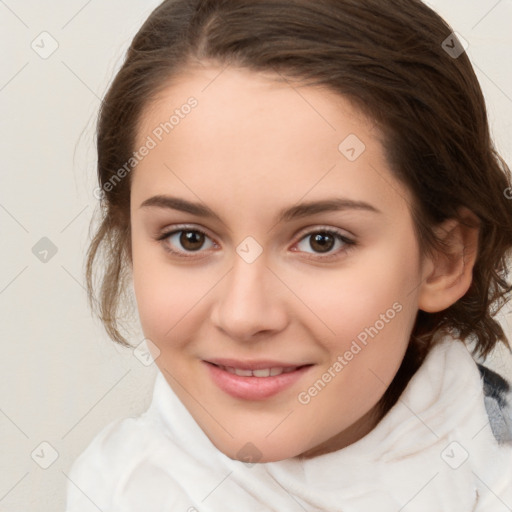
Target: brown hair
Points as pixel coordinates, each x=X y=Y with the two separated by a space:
x=392 y=60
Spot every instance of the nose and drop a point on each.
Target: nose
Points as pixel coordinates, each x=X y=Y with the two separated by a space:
x=249 y=302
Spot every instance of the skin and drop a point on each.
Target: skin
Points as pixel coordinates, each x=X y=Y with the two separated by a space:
x=253 y=146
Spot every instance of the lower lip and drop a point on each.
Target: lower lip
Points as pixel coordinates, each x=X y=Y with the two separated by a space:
x=254 y=388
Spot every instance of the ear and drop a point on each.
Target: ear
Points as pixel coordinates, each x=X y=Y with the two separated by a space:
x=448 y=273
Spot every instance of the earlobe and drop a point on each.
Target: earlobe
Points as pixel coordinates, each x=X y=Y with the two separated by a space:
x=448 y=273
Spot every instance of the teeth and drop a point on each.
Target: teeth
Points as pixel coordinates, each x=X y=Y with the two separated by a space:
x=243 y=373
x=261 y=373
x=264 y=372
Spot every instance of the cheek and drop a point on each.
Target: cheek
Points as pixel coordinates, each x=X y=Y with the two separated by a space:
x=372 y=317
x=372 y=291
x=168 y=296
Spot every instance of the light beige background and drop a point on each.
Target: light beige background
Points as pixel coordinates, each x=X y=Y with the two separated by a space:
x=61 y=379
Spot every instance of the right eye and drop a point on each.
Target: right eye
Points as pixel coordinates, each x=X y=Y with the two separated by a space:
x=185 y=240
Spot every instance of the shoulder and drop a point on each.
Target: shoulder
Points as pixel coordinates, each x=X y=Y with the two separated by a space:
x=498 y=403
x=97 y=471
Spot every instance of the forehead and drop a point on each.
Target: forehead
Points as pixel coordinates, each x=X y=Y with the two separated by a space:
x=255 y=134
x=259 y=103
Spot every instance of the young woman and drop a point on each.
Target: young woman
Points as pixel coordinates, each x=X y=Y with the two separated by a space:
x=307 y=203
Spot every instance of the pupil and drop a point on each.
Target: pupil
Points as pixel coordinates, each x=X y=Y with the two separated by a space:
x=323 y=242
x=191 y=240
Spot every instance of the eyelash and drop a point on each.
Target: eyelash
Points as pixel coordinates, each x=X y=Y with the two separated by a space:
x=348 y=243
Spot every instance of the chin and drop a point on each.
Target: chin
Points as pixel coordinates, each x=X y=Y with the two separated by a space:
x=259 y=452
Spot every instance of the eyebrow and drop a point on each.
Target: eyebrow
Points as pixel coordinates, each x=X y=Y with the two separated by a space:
x=295 y=212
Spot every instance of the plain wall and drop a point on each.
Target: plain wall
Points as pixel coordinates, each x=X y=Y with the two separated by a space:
x=61 y=379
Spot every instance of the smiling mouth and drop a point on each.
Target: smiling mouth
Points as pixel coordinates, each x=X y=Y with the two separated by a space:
x=256 y=380
x=262 y=372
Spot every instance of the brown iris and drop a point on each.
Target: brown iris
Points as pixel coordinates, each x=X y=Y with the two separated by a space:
x=322 y=242
x=192 y=240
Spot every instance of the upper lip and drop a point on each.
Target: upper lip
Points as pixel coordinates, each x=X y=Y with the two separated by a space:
x=254 y=365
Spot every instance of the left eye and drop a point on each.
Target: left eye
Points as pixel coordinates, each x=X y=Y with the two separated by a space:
x=323 y=241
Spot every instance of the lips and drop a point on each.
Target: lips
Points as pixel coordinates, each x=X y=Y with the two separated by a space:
x=254 y=380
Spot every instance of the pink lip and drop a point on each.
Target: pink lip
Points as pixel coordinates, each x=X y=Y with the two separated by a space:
x=254 y=388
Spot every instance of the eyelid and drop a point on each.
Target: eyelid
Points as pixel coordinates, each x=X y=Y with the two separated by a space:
x=167 y=231
x=322 y=228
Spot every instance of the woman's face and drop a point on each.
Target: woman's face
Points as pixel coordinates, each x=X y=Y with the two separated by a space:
x=275 y=264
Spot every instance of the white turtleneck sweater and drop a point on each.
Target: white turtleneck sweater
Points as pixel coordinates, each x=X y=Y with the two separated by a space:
x=433 y=452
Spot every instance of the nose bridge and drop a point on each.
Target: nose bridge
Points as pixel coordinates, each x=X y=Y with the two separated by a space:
x=249 y=279
x=247 y=301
